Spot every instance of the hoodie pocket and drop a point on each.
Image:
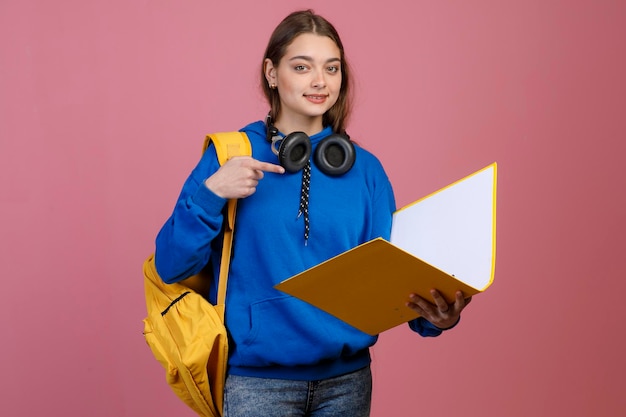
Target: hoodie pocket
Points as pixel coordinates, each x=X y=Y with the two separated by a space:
x=286 y=331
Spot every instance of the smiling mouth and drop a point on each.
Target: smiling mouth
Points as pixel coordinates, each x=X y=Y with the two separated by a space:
x=316 y=97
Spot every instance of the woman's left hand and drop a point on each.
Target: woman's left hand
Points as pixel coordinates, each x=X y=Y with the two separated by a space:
x=439 y=312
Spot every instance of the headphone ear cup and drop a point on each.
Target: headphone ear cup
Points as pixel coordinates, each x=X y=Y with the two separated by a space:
x=335 y=155
x=294 y=151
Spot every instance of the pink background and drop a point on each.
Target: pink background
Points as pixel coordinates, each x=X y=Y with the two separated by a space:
x=103 y=108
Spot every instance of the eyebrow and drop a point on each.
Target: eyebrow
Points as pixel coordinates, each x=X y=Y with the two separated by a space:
x=309 y=59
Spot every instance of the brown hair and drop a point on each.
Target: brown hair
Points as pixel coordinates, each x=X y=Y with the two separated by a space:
x=297 y=23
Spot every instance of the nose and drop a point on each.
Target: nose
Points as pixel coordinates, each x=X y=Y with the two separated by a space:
x=319 y=81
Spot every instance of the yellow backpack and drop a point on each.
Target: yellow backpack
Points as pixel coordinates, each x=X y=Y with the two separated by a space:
x=185 y=332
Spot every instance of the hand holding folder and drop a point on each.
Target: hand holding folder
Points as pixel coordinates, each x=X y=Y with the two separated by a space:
x=439 y=312
x=445 y=241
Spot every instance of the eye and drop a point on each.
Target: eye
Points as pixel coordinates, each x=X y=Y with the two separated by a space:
x=300 y=68
x=333 y=69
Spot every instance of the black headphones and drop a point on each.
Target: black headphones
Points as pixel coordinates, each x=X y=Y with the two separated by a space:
x=334 y=155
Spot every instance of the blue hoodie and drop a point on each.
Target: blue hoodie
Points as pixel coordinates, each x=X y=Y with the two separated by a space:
x=274 y=335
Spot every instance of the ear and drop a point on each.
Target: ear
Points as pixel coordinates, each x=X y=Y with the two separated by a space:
x=270 y=71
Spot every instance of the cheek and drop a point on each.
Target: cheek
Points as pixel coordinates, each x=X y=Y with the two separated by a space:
x=336 y=84
x=286 y=87
x=336 y=89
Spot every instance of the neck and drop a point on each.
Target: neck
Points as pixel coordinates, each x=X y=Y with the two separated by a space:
x=308 y=125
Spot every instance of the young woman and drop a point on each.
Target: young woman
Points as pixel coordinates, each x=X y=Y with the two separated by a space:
x=306 y=194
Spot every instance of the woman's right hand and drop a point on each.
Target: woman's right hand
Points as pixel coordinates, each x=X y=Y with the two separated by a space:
x=239 y=176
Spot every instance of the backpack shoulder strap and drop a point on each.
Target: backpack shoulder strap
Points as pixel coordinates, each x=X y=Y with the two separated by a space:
x=227 y=145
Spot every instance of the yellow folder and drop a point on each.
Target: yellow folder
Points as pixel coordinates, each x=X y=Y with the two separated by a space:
x=445 y=241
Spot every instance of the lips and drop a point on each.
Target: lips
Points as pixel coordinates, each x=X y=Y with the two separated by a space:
x=316 y=98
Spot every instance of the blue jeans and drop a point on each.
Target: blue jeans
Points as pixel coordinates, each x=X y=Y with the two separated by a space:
x=347 y=395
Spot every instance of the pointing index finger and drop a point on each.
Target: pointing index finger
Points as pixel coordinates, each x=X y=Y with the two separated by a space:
x=268 y=167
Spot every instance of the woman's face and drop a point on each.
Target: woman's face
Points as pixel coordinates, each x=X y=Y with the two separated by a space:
x=308 y=79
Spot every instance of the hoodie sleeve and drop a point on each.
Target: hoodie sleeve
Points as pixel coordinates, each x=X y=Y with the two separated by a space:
x=183 y=245
x=424 y=328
